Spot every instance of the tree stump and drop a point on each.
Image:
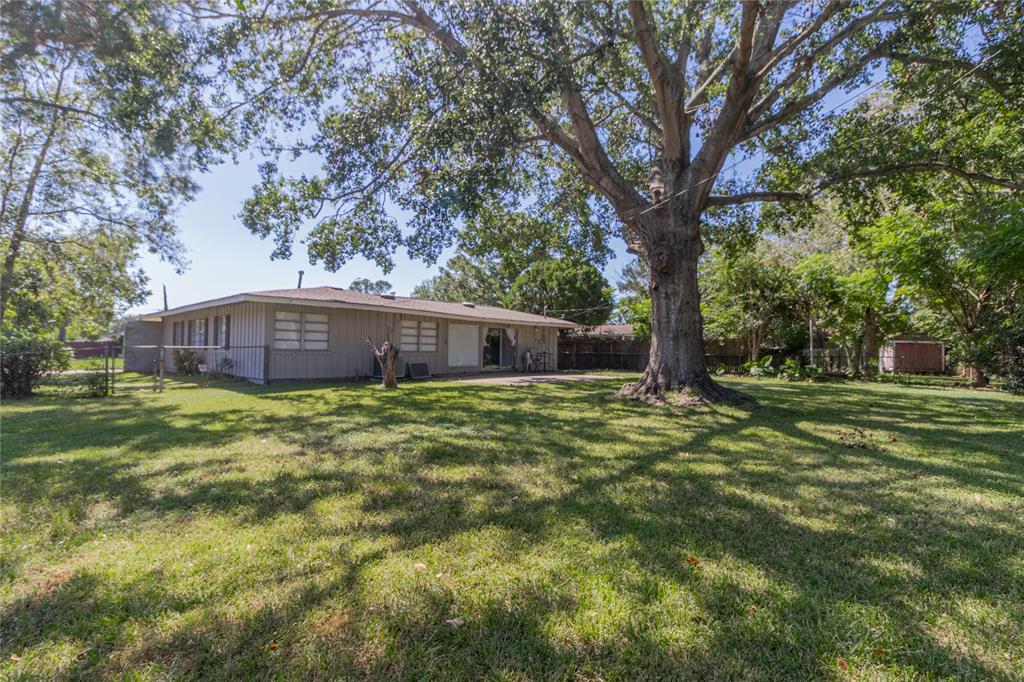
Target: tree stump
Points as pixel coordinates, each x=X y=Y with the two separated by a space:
x=387 y=356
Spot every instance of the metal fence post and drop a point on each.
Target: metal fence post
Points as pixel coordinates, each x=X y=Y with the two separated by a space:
x=161 y=368
x=266 y=365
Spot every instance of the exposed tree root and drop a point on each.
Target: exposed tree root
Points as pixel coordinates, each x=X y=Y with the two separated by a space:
x=694 y=393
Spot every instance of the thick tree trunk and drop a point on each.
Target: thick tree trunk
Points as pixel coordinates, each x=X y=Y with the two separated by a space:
x=677 y=370
x=754 y=344
x=977 y=376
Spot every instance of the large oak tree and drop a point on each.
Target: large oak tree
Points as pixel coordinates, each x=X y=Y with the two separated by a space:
x=635 y=113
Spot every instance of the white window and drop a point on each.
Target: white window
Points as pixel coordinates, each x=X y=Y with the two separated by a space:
x=222 y=331
x=287 y=330
x=419 y=336
x=410 y=332
x=428 y=337
x=314 y=331
x=199 y=333
x=305 y=331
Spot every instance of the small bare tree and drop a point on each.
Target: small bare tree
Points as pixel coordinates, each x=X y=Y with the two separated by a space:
x=387 y=356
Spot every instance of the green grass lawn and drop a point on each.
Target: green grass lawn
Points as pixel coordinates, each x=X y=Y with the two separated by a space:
x=93 y=363
x=450 y=531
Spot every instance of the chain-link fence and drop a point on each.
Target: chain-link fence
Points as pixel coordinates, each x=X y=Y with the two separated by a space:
x=247 y=363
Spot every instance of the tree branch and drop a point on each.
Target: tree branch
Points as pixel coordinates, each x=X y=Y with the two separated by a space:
x=805 y=62
x=66 y=108
x=924 y=167
x=666 y=82
x=753 y=197
x=964 y=65
x=753 y=129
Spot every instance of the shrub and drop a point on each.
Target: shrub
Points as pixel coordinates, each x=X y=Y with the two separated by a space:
x=793 y=370
x=90 y=384
x=224 y=366
x=1014 y=384
x=186 y=362
x=25 y=360
x=756 y=368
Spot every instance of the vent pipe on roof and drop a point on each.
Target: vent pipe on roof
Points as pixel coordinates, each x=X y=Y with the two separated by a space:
x=301 y=273
x=389 y=296
x=468 y=304
x=165 y=297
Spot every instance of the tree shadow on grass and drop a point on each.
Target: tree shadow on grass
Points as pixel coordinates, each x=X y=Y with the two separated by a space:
x=806 y=548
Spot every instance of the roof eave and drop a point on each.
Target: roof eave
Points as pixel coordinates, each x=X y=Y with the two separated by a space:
x=469 y=316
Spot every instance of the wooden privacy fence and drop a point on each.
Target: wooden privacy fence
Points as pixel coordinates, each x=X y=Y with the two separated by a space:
x=594 y=352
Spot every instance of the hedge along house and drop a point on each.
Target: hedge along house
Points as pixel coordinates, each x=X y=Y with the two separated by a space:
x=321 y=332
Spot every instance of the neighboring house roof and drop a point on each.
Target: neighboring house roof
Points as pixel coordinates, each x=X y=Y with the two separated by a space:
x=333 y=297
x=622 y=330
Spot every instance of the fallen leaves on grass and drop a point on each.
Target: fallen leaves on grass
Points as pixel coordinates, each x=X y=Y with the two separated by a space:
x=693 y=561
x=273 y=645
x=841 y=662
x=455 y=622
x=419 y=567
x=858 y=438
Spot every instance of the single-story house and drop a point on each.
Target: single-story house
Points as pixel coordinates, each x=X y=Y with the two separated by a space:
x=321 y=332
x=912 y=353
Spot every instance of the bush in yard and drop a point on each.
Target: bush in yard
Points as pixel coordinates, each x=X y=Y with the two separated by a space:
x=24 y=361
x=793 y=370
x=186 y=362
x=224 y=366
x=757 y=368
x=90 y=384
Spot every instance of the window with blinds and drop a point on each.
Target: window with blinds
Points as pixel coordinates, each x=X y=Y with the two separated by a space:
x=419 y=336
x=314 y=331
x=410 y=335
x=428 y=337
x=199 y=333
x=287 y=330
x=300 y=331
x=222 y=331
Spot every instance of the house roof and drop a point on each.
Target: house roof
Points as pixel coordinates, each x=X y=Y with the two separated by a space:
x=334 y=297
x=606 y=330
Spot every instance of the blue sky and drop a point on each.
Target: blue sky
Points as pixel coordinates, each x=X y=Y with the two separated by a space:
x=225 y=258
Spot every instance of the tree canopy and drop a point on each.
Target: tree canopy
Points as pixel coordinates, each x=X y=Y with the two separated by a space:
x=571 y=290
x=368 y=286
x=107 y=113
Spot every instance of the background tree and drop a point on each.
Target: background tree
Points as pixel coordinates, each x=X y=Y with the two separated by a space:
x=440 y=109
x=563 y=288
x=105 y=116
x=498 y=245
x=958 y=265
x=848 y=300
x=747 y=296
x=367 y=286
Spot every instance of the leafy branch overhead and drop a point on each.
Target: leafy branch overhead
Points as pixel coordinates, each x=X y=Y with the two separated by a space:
x=528 y=103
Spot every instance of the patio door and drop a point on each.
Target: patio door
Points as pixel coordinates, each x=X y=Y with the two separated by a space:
x=499 y=348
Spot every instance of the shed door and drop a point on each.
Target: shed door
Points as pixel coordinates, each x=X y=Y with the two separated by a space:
x=463 y=345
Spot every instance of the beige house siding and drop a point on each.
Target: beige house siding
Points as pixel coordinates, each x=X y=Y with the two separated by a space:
x=247 y=337
x=348 y=355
